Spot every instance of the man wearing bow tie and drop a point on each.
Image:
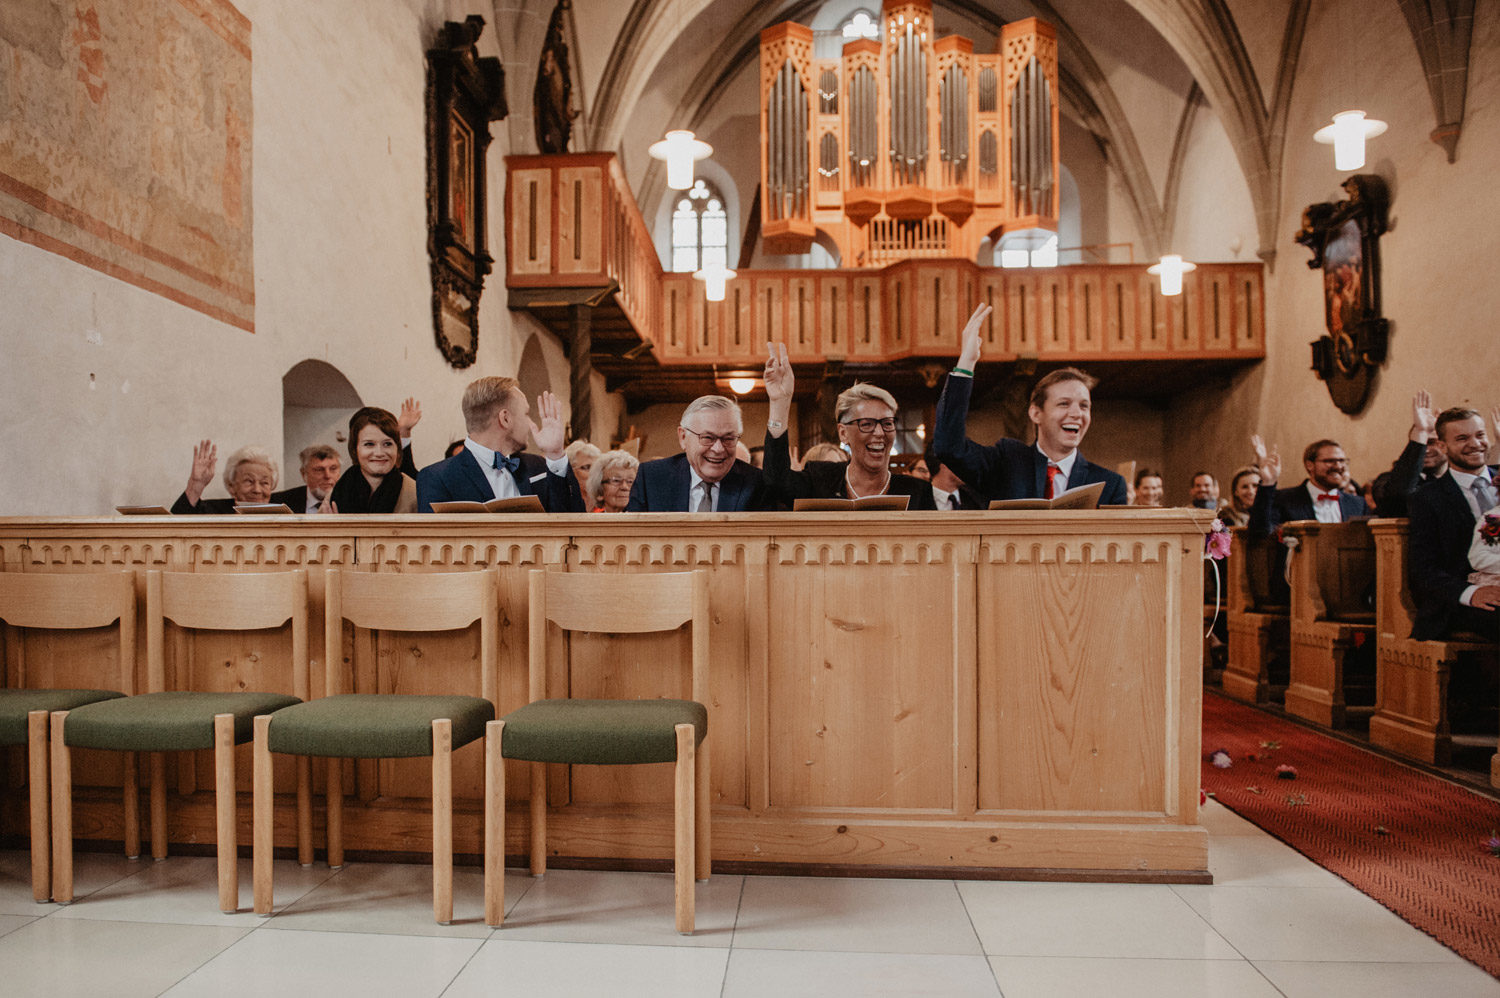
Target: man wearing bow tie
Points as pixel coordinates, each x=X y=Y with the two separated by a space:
x=1443 y=515
x=492 y=465
x=1320 y=497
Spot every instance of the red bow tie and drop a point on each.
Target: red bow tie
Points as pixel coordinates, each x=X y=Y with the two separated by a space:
x=1328 y=496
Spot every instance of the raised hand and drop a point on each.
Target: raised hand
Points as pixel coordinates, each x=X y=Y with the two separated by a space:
x=549 y=435
x=1268 y=464
x=779 y=378
x=205 y=462
x=328 y=505
x=1423 y=420
x=970 y=339
x=411 y=415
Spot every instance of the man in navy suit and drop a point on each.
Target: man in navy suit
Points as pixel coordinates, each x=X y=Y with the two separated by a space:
x=1061 y=409
x=492 y=465
x=1320 y=496
x=320 y=473
x=1443 y=514
x=706 y=476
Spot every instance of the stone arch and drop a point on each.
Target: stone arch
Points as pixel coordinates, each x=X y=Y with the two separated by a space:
x=316 y=400
x=532 y=371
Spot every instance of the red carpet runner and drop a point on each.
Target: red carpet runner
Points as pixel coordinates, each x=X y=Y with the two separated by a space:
x=1416 y=843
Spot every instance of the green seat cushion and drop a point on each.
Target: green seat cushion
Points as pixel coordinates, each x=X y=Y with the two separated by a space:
x=600 y=732
x=16 y=704
x=376 y=725
x=166 y=722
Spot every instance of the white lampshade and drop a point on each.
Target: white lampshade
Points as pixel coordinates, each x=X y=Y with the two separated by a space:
x=741 y=386
x=680 y=150
x=1170 y=270
x=714 y=277
x=1347 y=135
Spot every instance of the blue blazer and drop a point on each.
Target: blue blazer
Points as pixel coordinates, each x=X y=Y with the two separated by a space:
x=1437 y=560
x=459 y=478
x=661 y=486
x=1009 y=469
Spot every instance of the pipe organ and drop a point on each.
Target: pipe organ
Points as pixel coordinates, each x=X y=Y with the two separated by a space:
x=922 y=147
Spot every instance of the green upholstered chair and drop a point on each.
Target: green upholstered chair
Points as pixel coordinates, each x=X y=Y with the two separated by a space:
x=168 y=718
x=611 y=732
x=56 y=602
x=385 y=725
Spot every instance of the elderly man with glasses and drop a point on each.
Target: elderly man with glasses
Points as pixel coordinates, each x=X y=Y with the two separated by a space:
x=866 y=418
x=706 y=477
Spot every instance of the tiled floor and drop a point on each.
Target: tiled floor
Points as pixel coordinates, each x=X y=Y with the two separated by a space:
x=1271 y=924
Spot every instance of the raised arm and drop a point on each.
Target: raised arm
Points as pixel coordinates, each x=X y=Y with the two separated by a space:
x=205 y=463
x=1263 y=517
x=970 y=461
x=785 y=483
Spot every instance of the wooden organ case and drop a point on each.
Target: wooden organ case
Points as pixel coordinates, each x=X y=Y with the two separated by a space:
x=908 y=145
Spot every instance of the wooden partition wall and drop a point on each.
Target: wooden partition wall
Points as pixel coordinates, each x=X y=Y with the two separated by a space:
x=1015 y=692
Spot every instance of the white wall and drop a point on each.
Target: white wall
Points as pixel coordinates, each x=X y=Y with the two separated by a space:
x=108 y=387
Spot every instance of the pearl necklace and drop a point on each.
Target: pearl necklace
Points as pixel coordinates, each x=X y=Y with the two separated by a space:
x=878 y=492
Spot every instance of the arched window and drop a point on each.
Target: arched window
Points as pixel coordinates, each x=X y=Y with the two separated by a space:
x=700 y=229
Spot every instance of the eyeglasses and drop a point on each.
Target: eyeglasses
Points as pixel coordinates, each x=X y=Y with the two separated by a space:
x=708 y=439
x=888 y=424
x=627 y=482
x=1332 y=460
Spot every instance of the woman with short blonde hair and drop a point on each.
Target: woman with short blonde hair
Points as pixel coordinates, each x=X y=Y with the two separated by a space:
x=610 y=481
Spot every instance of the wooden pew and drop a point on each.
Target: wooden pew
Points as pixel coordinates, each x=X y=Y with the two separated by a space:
x=1332 y=626
x=1411 y=713
x=1259 y=622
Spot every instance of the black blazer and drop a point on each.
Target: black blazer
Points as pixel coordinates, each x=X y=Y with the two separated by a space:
x=967 y=498
x=825 y=479
x=215 y=506
x=460 y=479
x=662 y=486
x=1437 y=560
x=296 y=498
x=1009 y=469
x=1272 y=508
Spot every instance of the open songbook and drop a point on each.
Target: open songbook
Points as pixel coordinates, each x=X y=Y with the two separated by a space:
x=1083 y=497
x=515 y=504
x=883 y=503
x=262 y=508
x=142 y=511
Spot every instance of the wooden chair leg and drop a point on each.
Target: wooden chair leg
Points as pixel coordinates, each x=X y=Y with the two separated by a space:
x=702 y=798
x=41 y=818
x=158 y=806
x=263 y=816
x=226 y=843
x=62 y=812
x=132 y=805
x=335 y=814
x=442 y=820
x=494 y=825
x=683 y=867
x=304 y=811
x=538 y=819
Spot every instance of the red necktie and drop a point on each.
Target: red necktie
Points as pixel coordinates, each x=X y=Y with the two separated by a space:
x=1328 y=497
x=1052 y=472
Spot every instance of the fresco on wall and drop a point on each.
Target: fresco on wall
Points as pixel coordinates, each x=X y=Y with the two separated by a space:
x=125 y=143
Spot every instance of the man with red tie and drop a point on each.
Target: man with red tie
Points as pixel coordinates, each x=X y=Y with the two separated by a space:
x=1320 y=497
x=1061 y=409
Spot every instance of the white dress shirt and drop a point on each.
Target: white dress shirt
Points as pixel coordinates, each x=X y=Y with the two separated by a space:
x=1465 y=483
x=695 y=491
x=503 y=483
x=1064 y=467
x=1324 y=510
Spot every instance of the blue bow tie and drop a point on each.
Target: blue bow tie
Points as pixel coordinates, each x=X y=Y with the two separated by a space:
x=510 y=464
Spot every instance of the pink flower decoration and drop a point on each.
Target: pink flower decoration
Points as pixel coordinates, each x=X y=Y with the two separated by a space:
x=1221 y=759
x=1285 y=772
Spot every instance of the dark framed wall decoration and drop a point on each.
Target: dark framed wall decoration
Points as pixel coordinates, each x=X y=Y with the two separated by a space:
x=464 y=94
x=1344 y=238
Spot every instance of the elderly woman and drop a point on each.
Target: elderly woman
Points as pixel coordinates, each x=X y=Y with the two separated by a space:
x=866 y=417
x=249 y=475
x=581 y=457
x=610 y=481
x=376 y=483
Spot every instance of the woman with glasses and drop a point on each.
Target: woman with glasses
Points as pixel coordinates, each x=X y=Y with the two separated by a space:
x=867 y=426
x=610 y=479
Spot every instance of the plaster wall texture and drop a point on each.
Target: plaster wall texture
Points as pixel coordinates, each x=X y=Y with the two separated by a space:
x=108 y=387
x=1437 y=283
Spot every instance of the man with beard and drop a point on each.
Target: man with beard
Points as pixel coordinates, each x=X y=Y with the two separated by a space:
x=320 y=472
x=1444 y=513
x=1061 y=409
x=1320 y=497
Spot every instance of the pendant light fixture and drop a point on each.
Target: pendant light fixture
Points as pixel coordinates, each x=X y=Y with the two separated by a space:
x=1170 y=270
x=714 y=277
x=1347 y=135
x=680 y=150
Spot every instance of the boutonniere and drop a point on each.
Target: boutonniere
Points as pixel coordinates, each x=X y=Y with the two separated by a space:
x=1489 y=531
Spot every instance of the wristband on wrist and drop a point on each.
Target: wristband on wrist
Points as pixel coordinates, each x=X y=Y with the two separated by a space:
x=775 y=424
x=964 y=371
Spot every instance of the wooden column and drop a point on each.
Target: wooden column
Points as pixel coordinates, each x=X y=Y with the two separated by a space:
x=581 y=363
